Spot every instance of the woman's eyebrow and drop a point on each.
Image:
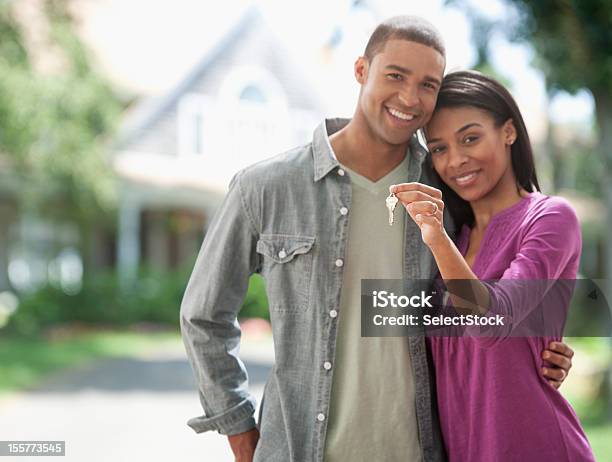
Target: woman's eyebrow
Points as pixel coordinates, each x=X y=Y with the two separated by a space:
x=462 y=129
x=466 y=126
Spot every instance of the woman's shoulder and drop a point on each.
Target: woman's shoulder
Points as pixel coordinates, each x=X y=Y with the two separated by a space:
x=554 y=220
x=552 y=235
x=551 y=209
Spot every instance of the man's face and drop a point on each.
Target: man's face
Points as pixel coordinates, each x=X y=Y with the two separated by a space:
x=399 y=87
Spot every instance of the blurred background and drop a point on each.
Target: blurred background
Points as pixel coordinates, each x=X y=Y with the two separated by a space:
x=121 y=124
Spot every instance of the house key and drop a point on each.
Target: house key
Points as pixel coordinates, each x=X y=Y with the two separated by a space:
x=391 y=201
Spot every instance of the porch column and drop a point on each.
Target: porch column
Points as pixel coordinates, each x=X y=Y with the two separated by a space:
x=128 y=242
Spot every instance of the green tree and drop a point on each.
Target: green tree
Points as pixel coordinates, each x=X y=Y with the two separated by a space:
x=54 y=124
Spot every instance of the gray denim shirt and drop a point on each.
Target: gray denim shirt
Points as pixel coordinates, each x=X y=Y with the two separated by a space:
x=281 y=218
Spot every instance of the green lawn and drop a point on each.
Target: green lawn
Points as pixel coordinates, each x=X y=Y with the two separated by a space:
x=24 y=362
x=600 y=438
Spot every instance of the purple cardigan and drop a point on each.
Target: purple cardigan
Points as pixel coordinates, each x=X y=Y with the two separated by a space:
x=494 y=403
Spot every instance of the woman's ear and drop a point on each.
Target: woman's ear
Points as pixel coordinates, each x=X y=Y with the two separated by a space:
x=509 y=131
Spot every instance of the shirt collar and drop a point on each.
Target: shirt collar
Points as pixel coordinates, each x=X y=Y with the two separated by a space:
x=324 y=157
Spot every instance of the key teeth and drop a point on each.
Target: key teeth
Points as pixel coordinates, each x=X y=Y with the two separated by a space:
x=391 y=204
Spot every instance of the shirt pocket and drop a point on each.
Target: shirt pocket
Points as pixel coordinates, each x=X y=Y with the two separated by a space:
x=287 y=269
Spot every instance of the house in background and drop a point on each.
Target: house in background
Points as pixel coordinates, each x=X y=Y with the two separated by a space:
x=245 y=101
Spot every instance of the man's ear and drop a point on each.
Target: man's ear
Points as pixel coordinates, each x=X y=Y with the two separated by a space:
x=509 y=131
x=361 y=69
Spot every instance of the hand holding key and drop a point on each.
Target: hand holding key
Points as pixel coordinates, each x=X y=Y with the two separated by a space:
x=425 y=206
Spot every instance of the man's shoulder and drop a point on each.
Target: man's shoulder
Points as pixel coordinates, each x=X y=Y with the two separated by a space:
x=293 y=164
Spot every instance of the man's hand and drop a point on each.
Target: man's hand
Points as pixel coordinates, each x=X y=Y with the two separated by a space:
x=243 y=445
x=560 y=356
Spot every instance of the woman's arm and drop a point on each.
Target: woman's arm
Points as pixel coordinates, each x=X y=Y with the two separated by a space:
x=452 y=265
x=425 y=206
x=552 y=241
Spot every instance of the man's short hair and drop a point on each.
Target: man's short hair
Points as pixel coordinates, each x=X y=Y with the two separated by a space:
x=404 y=27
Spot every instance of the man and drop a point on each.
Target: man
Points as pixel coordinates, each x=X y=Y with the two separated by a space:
x=312 y=221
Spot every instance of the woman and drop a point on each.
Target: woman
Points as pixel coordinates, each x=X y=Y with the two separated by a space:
x=494 y=404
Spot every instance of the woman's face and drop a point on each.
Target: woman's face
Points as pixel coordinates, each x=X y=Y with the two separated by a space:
x=471 y=154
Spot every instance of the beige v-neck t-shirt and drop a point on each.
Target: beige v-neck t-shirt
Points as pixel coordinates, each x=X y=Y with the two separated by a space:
x=372 y=413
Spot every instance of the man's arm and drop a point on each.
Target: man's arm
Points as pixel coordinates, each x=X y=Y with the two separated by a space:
x=243 y=445
x=559 y=355
x=208 y=316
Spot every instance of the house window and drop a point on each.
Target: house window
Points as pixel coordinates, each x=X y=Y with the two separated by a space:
x=255 y=113
x=253 y=94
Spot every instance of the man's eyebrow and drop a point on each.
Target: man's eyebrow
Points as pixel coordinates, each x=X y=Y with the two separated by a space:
x=462 y=129
x=429 y=78
x=403 y=70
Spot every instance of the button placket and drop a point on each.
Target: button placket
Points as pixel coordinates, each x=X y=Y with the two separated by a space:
x=333 y=313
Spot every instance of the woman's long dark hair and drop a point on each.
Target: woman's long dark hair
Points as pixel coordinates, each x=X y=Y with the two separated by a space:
x=473 y=89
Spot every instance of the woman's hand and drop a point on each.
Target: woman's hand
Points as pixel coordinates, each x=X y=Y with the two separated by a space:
x=425 y=206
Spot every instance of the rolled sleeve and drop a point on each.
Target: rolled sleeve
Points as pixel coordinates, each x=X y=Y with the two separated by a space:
x=208 y=316
x=237 y=419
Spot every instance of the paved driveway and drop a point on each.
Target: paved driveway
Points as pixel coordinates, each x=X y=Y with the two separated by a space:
x=131 y=409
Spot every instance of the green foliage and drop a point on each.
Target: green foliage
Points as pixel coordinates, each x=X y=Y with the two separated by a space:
x=155 y=298
x=587 y=168
x=572 y=39
x=256 y=301
x=53 y=124
x=12 y=50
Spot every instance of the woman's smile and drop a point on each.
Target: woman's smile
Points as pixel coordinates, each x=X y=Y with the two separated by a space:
x=466 y=179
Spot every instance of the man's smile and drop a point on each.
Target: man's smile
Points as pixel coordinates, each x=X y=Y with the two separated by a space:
x=401 y=118
x=399 y=114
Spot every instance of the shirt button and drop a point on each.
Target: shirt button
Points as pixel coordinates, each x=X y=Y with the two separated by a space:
x=340 y=172
x=339 y=262
x=282 y=254
x=333 y=313
x=320 y=417
x=327 y=365
x=343 y=211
